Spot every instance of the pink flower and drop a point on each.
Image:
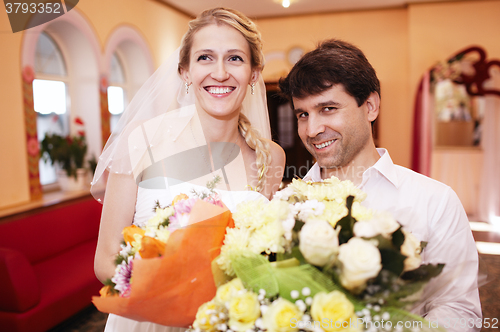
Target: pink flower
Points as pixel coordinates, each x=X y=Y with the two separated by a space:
x=123 y=274
x=28 y=74
x=33 y=147
x=215 y=200
x=104 y=84
x=182 y=210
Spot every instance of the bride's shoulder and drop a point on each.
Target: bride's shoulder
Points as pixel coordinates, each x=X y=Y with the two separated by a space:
x=278 y=156
x=274 y=173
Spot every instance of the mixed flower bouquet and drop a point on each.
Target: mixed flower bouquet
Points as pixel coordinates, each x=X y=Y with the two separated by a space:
x=160 y=268
x=315 y=259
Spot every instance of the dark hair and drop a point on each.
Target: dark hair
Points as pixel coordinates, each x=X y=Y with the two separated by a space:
x=332 y=62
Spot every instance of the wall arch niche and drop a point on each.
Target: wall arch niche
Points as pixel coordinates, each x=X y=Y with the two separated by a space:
x=127 y=64
x=80 y=48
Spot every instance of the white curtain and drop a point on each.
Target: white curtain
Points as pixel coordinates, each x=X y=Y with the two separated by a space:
x=489 y=196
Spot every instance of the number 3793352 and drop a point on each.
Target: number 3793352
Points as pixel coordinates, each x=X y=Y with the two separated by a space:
x=32 y=8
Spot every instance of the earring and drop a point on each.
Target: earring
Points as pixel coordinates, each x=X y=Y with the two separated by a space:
x=252 y=87
x=187 y=87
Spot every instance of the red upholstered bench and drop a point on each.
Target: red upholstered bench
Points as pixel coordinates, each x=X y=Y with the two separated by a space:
x=47 y=264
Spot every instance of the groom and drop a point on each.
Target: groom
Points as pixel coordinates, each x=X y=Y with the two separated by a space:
x=335 y=95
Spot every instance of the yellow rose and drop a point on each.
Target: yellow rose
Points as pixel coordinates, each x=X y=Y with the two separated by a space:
x=282 y=316
x=244 y=309
x=203 y=315
x=335 y=312
x=227 y=291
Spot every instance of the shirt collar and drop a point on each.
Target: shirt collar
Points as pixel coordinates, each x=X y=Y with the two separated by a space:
x=384 y=166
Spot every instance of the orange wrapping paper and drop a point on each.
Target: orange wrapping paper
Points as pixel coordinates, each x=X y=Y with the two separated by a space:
x=168 y=290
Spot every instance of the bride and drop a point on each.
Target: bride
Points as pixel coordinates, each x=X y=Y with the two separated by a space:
x=201 y=116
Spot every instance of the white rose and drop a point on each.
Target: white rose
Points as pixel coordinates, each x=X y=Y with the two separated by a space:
x=360 y=260
x=411 y=249
x=381 y=223
x=386 y=224
x=319 y=242
x=365 y=228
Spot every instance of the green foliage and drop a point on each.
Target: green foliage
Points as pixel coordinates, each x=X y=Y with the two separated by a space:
x=398 y=238
x=423 y=273
x=210 y=186
x=298 y=225
x=347 y=223
x=111 y=289
x=92 y=164
x=294 y=254
x=67 y=152
x=392 y=260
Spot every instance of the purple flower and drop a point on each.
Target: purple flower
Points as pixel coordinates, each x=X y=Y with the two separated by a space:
x=214 y=199
x=123 y=274
x=181 y=216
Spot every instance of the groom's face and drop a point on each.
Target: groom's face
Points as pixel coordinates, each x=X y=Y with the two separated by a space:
x=333 y=127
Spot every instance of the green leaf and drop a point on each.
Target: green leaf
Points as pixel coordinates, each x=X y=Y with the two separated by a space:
x=298 y=225
x=346 y=223
x=298 y=255
x=111 y=290
x=392 y=260
x=423 y=273
x=398 y=238
x=423 y=244
x=383 y=243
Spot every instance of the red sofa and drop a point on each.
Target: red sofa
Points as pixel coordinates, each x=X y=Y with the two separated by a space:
x=47 y=264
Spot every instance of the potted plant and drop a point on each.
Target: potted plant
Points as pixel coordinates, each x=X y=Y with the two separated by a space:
x=68 y=153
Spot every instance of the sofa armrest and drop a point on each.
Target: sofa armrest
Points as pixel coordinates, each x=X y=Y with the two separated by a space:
x=18 y=282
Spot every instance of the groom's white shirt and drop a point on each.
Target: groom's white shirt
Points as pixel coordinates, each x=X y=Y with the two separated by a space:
x=433 y=213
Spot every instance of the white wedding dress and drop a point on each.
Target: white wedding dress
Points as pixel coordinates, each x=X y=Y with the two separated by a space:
x=144 y=210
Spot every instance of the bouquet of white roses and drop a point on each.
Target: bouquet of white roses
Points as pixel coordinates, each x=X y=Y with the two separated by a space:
x=315 y=259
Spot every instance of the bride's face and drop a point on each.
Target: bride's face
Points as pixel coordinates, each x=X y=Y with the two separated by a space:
x=220 y=70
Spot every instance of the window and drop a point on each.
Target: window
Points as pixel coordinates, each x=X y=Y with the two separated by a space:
x=50 y=97
x=116 y=90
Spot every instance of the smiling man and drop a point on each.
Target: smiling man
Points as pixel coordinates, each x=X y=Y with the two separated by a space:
x=335 y=94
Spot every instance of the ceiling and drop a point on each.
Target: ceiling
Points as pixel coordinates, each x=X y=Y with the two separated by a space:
x=272 y=8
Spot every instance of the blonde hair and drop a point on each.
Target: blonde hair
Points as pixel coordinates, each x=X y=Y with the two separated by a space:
x=248 y=29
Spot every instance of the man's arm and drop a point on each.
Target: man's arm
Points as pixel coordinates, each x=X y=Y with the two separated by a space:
x=453 y=297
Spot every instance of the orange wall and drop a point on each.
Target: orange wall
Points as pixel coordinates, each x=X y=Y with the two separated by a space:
x=381 y=34
x=400 y=44
x=161 y=27
x=13 y=162
x=438 y=31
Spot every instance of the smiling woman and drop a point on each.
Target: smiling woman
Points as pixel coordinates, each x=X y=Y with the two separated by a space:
x=202 y=116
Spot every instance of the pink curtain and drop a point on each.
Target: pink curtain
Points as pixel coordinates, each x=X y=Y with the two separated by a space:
x=422 y=128
x=489 y=195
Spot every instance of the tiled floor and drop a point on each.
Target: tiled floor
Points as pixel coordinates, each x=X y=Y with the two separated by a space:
x=487 y=238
